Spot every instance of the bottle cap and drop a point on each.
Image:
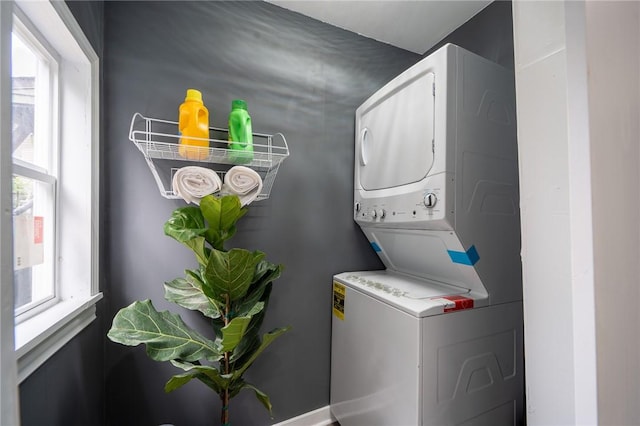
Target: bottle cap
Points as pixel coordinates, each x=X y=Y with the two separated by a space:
x=193 y=95
x=238 y=103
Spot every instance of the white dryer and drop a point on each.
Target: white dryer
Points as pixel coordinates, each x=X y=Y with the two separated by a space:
x=436 y=338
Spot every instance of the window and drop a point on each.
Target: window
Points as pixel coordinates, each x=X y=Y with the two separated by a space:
x=54 y=188
x=34 y=151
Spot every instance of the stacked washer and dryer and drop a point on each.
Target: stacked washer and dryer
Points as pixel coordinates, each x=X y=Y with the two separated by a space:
x=437 y=337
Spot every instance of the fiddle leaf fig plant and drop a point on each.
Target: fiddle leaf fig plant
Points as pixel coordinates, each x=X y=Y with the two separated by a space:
x=231 y=287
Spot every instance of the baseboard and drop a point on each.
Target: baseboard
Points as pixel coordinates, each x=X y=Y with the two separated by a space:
x=320 y=417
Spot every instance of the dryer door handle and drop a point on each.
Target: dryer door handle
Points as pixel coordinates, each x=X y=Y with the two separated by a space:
x=364 y=146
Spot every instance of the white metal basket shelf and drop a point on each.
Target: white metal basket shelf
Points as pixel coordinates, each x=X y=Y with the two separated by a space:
x=159 y=140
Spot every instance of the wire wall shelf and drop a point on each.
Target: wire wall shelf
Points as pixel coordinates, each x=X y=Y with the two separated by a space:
x=159 y=142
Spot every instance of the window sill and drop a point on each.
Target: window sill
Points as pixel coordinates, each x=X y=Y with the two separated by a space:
x=38 y=338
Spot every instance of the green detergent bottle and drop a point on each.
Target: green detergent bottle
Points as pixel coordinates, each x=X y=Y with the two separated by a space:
x=240 y=133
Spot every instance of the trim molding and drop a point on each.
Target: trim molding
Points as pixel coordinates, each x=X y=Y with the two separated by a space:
x=40 y=344
x=320 y=417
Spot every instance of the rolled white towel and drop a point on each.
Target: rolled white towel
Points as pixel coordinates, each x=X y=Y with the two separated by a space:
x=193 y=182
x=244 y=182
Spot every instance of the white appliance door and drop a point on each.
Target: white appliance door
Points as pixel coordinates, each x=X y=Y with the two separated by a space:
x=394 y=143
x=432 y=255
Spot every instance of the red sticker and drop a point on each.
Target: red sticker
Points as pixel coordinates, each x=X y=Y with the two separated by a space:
x=461 y=303
x=38 y=225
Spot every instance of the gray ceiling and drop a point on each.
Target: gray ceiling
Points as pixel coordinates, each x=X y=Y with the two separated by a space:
x=414 y=25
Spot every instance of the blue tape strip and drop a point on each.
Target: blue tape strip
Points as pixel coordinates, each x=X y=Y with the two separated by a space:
x=470 y=257
x=376 y=247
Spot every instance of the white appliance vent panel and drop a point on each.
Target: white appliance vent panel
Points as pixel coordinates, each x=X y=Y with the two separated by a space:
x=386 y=152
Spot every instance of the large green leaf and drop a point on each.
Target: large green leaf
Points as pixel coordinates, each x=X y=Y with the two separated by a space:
x=249 y=344
x=260 y=290
x=267 y=339
x=188 y=294
x=185 y=224
x=207 y=374
x=166 y=336
x=257 y=308
x=216 y=381
x=262 y=397
x=233 y=332
x=197 y=246
x=265 y=273
x=217 y=324
x=251 y=341
x=231 y=273
x=180 y=380
x=221 y=215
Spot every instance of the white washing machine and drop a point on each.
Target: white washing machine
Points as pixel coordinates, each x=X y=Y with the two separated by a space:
x=436 y=338
x=399 y=360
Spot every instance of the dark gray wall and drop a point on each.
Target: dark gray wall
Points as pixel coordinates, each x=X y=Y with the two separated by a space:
x=299 y=77
x=69 y=388
x=488 y=34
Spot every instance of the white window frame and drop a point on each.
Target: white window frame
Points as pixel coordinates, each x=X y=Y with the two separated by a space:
x=39 y=337
x=46 y=128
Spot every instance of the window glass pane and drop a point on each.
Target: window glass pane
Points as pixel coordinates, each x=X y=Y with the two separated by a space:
x=33 y=184
x=33 y=222
x=29 y=77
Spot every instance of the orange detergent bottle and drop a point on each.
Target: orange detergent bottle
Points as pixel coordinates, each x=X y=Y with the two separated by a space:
x=193 y=123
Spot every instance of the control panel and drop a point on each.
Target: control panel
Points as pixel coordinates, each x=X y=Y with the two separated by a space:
x=425 y=207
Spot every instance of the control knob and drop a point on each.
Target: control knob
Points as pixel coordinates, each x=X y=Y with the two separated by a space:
x=430 y=200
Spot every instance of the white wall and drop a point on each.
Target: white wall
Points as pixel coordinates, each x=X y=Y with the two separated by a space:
x=613 y=47
x=541 y=91
x=577 y=98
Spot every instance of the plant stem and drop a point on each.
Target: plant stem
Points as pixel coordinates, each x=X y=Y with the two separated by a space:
x=225 y=394
x=225 y=408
